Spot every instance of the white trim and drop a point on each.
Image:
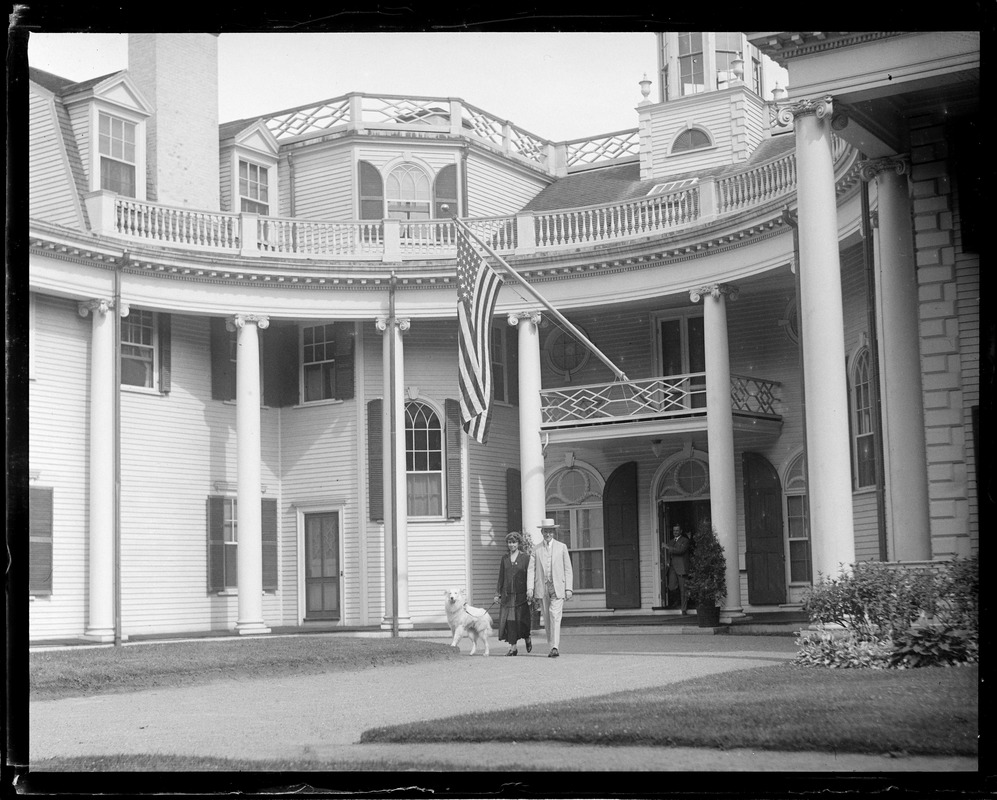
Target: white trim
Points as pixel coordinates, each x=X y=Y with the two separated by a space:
x=99 y=107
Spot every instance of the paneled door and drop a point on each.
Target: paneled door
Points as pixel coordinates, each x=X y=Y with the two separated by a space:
x=764 y=546
x=619 y=505
x=322 y=568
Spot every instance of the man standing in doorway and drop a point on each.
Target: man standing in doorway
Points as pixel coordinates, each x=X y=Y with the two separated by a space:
x=549 y=577
x=678 y=547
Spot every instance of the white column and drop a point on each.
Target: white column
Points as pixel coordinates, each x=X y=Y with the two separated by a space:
x=720 y=433
x=898 y=333
x=100 y=622
x=395 y=474
x=531 y=458
x=249 y=512
x=829 y=481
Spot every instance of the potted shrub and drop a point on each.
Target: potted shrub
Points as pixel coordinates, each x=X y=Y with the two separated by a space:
x=707 y=578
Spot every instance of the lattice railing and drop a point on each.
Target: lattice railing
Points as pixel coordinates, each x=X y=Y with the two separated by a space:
x=600 y=223
x=310 y=119
x=607 y=147
x=650 y=398
x=403 y=110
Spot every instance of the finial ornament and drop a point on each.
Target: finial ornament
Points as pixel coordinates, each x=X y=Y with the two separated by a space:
x=821 y=107
x=237 y=321
x=871 y=168
x=714 y=290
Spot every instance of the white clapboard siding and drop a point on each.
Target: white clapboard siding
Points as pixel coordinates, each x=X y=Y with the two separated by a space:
x=79 y=118
x=225 y=200
x=713 y=118
x=967 y=266
x=323 y=184
x=52 y=195
x=58 y=411
x=493 y=188
x=436 y=561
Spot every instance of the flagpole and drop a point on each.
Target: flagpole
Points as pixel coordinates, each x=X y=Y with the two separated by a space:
x=540 y=299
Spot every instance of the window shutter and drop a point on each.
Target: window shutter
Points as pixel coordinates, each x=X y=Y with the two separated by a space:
x=455 y=484
x=39 y=540
x=375 y=460
x=164 y=353
x=512 y=359
x=280 y=366
x=222 y=368
x=269 y=526
x=216 y=545
x=513 y=500
x=345 y=341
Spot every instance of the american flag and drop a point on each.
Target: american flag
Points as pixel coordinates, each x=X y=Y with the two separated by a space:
x=477 y=290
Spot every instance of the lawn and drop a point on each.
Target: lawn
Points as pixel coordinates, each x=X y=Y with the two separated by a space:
x=81 y=671
x=933 y=710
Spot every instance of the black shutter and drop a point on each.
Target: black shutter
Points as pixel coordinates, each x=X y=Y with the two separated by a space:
x=345 y=340
x=513 y=500
x=164 y=353
x=512 y=359
x=216 y=544
x=269 y=530
x=222 y=366
x=455 y=483
x=39 y=540
x=280 y=366
x=375 y=460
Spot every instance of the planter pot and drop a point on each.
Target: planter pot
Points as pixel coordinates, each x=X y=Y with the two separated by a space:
x=708 y=616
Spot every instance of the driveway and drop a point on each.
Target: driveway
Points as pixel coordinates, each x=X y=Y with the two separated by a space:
x=321 y=717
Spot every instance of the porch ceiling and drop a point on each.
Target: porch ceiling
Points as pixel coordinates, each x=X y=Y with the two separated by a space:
x=749 y=432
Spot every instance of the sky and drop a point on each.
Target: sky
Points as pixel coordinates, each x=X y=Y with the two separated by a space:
x=558 y=86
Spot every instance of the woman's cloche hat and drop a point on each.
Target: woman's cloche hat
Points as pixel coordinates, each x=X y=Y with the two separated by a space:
x=548 y=523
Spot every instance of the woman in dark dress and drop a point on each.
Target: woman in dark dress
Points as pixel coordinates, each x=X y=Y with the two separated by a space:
x=514 y=613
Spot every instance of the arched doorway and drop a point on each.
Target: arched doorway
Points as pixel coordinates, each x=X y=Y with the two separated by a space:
x=683 y=499
x=619 y=508
x=764 y=554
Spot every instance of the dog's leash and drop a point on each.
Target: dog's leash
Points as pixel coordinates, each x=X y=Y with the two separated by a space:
x=482 y=613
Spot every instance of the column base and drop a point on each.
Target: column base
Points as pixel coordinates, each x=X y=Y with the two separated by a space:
x=244 y=628
x=728 y=615
x=404 y=624
x=100 y=635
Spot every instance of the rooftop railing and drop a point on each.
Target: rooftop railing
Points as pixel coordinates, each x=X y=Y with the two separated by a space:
x=525 y=233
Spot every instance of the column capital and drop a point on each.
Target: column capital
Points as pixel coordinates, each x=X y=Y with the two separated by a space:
x=237 y=321
x=402 y=323
x=729 y=290
x=533 y=316
x=821 y=107
x=100 y=305
x=872 y=167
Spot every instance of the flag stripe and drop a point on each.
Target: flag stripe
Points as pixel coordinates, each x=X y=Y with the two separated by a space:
x=477 y=291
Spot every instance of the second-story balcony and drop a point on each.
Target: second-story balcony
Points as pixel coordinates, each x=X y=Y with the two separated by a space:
x=526 y=233
x=675 y=403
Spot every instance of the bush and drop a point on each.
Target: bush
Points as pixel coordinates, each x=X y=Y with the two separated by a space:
x=707 y=576
x=844 y=649
x=892 y=615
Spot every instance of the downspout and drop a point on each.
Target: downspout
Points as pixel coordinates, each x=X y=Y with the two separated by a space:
x=116 y=373
x=869 y=257
x=793 y=221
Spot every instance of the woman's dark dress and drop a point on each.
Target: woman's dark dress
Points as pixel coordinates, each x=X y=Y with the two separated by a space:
x=514 y=613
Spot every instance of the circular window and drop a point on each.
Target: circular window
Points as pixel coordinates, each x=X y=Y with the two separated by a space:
x=688 y=478
x=565 y=354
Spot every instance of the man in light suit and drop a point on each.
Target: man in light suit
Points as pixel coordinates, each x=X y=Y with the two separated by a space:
x=549 y=577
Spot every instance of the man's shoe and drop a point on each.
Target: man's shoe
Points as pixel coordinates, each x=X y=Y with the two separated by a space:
x=553 y=653
x=529 y=644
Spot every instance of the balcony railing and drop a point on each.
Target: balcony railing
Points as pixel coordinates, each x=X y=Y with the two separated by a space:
x=651 y=398
x=526 y=233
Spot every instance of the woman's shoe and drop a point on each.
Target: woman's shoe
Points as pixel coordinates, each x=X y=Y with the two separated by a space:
x=529 y=644
x=512 y=652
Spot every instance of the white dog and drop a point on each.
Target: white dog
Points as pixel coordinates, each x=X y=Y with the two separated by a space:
x=466 y=621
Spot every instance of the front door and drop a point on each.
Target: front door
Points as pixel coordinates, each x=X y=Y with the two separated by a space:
x=619 y=509
x=322 y=566
x=764 y=549
x=688 y=515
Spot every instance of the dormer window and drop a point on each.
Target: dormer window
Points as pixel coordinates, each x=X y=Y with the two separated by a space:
x=690 y=139
x=254 y=191
x=116 y=145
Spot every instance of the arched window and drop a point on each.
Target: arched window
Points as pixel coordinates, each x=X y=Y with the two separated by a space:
x=690 y=139
x=863 y=422
x=574 y=501
x=371 y=191
x=797 y=521
x=445 y=193
x=423 y=460
x=407 y=193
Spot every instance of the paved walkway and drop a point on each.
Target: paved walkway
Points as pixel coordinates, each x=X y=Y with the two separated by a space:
x=321 y=717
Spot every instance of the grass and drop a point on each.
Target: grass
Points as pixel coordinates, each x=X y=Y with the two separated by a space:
x=933 y=710
x=80 y=672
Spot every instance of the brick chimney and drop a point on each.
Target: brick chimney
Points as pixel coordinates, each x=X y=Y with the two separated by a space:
x=178 y=74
